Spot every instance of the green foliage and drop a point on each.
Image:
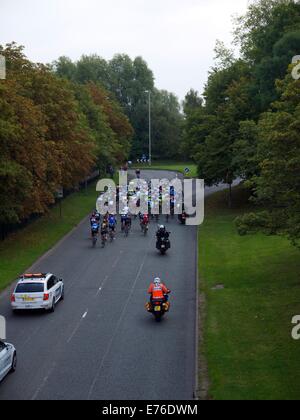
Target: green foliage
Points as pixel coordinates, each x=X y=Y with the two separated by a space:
x=53 y=132
x=127 y=81
x=277 y=186
x=268 y=36
x=248 y=126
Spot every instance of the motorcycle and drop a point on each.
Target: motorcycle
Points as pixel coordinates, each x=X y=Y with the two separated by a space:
x=163 y=245
x=158 y=307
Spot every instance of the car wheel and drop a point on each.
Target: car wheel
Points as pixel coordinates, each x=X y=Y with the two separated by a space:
x=52 y=309
x=14 y=363
x=15 y=311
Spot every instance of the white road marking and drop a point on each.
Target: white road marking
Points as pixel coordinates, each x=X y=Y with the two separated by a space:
x=102 y=285
x=116 y=262
x=44 y=381
x=77 y=326
x=119 y=322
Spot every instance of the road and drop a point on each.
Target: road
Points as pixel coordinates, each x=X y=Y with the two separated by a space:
x=100 y=344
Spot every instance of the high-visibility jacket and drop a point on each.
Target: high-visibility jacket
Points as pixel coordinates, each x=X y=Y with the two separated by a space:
x=158 y=292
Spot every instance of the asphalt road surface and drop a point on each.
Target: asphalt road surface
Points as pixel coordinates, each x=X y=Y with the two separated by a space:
x=100 y=343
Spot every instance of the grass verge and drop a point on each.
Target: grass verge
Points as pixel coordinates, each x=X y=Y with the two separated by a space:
x=21 y=249
x=247 y=325
x=172 y=166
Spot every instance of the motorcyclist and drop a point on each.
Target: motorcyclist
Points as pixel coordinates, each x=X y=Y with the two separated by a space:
x=158 y=290
x=162 y=233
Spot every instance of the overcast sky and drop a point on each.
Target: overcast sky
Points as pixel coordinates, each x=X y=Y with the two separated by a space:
x=175 y=37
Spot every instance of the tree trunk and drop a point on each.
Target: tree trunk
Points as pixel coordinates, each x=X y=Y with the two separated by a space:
x=230 y=196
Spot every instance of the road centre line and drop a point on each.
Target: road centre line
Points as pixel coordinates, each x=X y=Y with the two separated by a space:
x=119 y=322
x=77 y=326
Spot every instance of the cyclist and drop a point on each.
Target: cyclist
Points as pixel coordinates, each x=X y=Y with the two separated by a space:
x=104 y=232
x=127 y=224
x=112 y=223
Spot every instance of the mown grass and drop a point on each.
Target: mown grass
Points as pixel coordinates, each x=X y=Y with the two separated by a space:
x=172 y=166
x=21 y=249
x=247 y=325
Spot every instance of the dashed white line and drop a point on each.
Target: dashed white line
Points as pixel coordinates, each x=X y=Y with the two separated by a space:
x=102 y=285
x=118 y=325
x=77 y=326
x=44 y=381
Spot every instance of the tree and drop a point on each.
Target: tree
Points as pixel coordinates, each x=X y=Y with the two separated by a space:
x=45 y=141
x=65 y=68
x=125 y=82
x=278 y=184
x=268 y=35
x=166 y=125
x=120 y=140
x=228 y=102
x=245 y=150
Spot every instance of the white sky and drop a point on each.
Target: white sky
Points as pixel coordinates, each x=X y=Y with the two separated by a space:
x=175 y=37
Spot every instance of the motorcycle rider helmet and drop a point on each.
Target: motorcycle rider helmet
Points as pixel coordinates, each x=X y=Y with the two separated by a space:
x=157 y=281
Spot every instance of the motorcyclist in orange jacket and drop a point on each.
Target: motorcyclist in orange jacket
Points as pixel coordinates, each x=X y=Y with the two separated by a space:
x=158 y=290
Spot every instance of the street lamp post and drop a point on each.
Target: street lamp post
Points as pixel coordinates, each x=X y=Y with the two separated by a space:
x=150 y=140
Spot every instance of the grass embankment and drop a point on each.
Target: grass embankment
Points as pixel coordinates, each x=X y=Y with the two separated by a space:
x=172 y=166
x=21 y=249
x=247 y=325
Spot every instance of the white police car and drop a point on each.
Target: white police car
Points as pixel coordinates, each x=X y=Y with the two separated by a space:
x=37 y=291
x=8 y=359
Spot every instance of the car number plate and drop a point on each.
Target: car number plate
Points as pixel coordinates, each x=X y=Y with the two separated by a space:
x=157 y=308
x=28 y=299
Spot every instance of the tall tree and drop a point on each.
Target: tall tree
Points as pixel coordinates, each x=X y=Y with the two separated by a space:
x=277 y=188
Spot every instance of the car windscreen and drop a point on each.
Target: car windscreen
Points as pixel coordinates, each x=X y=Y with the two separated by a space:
x=30 y=288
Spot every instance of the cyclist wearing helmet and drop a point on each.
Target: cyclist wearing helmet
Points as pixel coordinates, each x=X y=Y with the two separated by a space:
x=105 y=218
x=104 y=229
x=95 y=228
x=144 y=219
x=124 y=216
x=112 y=222
x=128 y=220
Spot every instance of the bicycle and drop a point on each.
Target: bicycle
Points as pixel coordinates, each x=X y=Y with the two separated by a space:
x=94 y=240
x=111 y=234
x=126 y=230
x=103 y=240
